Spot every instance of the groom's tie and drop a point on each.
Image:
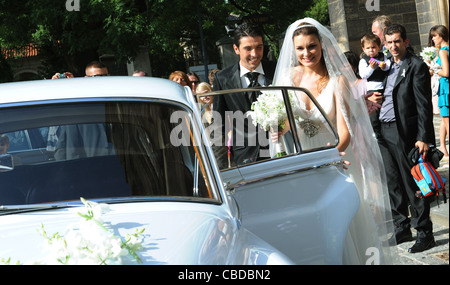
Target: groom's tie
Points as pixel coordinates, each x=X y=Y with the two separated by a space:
x=253 y=77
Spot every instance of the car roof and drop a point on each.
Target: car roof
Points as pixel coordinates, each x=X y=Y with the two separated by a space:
x=98 y=87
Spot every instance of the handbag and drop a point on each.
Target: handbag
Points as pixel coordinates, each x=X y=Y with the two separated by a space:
x=435 y=79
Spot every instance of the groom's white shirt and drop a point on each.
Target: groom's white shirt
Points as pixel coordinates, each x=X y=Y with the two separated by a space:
x=245 y=81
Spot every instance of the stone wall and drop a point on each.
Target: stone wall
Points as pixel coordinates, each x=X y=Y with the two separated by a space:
x=430 y=13
x=26 y=68
x=351 y=19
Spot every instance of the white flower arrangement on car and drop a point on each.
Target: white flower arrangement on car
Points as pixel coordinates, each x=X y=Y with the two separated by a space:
x=89 y=242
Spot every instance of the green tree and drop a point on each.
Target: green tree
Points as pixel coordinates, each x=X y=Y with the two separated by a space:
x=5 y=70
x=319 y=11
x=69 y=40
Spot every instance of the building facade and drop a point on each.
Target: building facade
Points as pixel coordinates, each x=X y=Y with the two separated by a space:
x=351 y=19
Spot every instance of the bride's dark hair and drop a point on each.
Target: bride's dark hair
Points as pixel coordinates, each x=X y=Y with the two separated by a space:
x=308 y=29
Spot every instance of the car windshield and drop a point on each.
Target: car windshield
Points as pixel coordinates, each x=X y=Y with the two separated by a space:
x=61 y=152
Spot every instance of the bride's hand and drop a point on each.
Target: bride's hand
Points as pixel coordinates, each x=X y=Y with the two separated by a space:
x=275 y=136
x=344 y=162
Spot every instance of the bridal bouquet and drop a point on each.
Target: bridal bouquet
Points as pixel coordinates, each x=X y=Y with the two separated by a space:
x=270 y=113
x=90 y=241
x=428 y=54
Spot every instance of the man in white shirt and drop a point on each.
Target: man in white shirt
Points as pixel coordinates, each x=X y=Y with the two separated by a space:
x=250 y=71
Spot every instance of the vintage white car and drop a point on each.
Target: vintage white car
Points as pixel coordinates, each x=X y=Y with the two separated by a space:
x=140 y=146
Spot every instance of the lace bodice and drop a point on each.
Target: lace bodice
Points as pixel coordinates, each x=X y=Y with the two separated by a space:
x=313 y=129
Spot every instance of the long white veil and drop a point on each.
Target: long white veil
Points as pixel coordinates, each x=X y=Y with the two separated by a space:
x=373 y=223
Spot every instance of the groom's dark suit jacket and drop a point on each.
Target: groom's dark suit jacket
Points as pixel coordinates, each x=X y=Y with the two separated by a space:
x=229 y=78
x=412 y=103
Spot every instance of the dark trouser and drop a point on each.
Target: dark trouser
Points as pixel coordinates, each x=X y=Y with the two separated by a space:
x=401 y=185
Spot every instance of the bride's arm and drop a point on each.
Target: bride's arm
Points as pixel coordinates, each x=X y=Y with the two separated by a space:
x=342 y=128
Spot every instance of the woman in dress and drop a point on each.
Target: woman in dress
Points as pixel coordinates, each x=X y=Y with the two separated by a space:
x=439 y=39
x=311 y=58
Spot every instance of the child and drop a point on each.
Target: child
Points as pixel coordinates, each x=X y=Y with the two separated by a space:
x=373 y=65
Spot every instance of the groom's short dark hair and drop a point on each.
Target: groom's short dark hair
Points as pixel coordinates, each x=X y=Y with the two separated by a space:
x=247 y=30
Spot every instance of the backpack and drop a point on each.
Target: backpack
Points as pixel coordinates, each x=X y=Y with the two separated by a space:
x=428 y=180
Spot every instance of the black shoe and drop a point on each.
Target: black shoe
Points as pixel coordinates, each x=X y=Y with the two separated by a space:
x=400 y=237
x=422 y=244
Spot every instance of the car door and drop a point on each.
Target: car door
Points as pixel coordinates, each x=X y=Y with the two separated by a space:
x=303 y=202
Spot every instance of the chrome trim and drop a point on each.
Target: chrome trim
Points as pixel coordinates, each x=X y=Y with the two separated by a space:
x=291 y=118
x=249 y=182
x=196 y=173
x=280 y=167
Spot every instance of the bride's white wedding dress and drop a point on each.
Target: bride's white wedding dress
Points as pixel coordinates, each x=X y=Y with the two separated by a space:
x=363 y=236
x=372 y=223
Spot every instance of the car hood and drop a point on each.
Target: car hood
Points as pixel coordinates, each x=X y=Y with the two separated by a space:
x=175 y=233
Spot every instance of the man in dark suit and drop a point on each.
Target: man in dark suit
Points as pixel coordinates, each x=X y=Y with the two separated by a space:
x=406 y=121
x=250 y=71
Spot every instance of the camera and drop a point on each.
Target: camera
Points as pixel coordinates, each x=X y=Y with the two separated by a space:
x=62 y=75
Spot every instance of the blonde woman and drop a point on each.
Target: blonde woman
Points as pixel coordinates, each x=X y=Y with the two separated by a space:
x=205 y=101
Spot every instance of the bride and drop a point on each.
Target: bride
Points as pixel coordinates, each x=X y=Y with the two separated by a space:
x=310 y=58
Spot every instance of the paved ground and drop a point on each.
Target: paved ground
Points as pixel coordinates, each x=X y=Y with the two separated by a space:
x=439 y=254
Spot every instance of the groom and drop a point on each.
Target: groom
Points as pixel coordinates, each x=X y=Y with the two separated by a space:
x=248 y=72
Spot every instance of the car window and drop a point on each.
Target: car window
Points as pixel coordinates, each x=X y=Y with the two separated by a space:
x=27 y=139
x=19 y=141
x=314 y=128
x=243 y=138
x=102 y=150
